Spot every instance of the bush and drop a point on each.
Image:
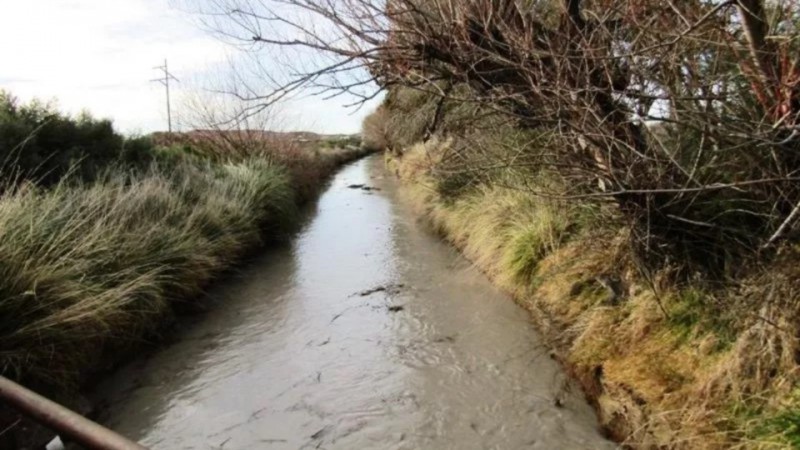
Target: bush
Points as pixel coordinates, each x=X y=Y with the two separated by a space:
x=40 y=144
x=696 y=141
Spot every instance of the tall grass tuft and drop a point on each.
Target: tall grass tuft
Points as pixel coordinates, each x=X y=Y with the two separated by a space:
x=84 y=266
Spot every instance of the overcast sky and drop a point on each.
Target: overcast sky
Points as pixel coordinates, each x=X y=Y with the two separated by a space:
x=99 y=55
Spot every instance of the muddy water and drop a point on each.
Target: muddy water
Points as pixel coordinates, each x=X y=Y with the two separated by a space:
x=367 y=332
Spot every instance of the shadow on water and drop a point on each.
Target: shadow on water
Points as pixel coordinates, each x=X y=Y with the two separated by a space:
x=366 y=332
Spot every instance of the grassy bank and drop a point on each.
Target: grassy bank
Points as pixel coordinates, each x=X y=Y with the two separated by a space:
x=667 y=364
x=86 y=268
x=104 y=236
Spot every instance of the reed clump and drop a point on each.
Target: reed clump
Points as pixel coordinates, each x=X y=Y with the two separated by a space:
x=83 y=266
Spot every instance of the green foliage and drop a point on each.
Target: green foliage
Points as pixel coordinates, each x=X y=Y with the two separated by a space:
x=89 y=265
x=341 y=142
x=101 y=235
x=694 y=310
x=768 y=426
x=784 y=426
x=544 y=230
x=526 y=250
x=176 y=154
x=40 y=144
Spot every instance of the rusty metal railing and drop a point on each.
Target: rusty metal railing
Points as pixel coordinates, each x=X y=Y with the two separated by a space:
x=67 y=423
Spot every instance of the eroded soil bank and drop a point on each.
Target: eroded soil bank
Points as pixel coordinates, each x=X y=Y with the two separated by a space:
x=366 y=332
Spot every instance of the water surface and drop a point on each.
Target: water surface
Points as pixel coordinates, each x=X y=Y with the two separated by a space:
x=367 y=332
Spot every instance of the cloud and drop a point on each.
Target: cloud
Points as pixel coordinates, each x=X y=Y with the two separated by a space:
x=98 y=55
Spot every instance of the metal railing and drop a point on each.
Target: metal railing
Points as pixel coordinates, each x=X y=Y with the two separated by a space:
x=67 y=423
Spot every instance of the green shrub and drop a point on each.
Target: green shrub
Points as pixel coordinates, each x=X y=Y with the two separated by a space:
x=40 y=144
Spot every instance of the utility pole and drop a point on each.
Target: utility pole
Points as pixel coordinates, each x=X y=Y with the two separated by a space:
x=165 y=81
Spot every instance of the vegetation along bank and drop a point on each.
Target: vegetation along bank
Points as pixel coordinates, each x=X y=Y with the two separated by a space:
x=629 y=171
x=103 y=238
x=669 y=360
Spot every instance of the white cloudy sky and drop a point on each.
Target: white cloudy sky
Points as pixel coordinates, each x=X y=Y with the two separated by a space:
x=99 y=55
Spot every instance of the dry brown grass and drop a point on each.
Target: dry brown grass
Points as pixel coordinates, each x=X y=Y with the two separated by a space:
x=661 y=374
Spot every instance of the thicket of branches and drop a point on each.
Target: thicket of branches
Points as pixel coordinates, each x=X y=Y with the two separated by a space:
x=685 y=114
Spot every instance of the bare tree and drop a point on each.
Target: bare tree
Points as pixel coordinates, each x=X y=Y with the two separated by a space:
x=686 y=114
x=225 y=128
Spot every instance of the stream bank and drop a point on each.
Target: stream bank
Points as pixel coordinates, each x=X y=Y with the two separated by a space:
x=94 y=272
x=659 y=368
x=366 y=332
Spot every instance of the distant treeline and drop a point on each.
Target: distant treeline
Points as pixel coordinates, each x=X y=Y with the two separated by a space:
x=39 y=143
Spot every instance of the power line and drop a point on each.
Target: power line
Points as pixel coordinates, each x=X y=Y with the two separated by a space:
x=165 y=81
